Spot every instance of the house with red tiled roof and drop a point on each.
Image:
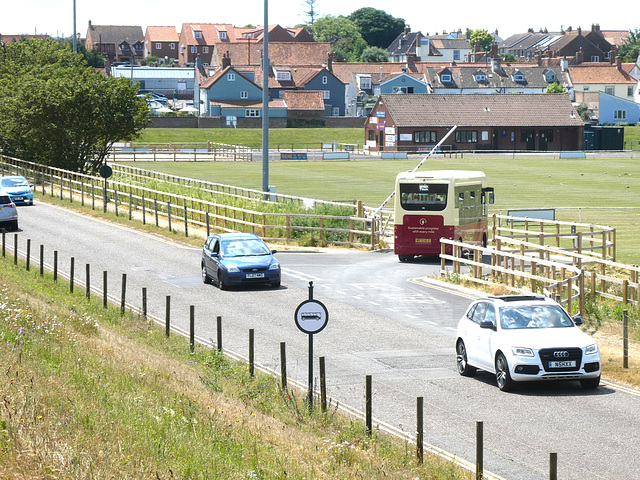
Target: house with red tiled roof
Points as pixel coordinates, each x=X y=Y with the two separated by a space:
x=280 y=53
x=231 y=94
x=611 y=79
x=162 y=42
x=305 y=108
x=414 y=123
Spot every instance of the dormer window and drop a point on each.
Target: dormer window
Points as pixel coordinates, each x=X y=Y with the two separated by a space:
x=445 y=78
x=283 y=76
x=518 y=77
x=223 y=35
x=550 y=76
x=481 y=77
x=197 y=34
x=365 y=83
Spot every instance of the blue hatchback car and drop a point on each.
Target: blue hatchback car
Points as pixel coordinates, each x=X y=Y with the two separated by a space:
x=18 y=188
x=239 y=259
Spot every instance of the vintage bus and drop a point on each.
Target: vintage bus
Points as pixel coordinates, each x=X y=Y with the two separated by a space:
x=439 y=203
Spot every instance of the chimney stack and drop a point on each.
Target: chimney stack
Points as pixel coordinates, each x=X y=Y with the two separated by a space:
x=226 y=60
x=619 y=62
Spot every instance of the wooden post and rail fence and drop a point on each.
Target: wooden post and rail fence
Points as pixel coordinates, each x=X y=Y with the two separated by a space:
x=189 y=214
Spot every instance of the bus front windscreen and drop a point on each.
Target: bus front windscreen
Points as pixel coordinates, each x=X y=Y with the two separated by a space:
x=423 y=196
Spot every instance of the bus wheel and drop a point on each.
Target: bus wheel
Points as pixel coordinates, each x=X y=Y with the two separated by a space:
x=405 y=258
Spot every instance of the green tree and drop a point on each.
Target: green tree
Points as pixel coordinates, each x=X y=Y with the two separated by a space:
x=311 y=11
x=482 y=36
x=378 y=29
x=630 y=48
x=56 y=110
x=374 y=55
x=555 y=87
x=343 y=35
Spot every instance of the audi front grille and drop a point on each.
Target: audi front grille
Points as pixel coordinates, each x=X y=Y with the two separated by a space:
x=548 y=355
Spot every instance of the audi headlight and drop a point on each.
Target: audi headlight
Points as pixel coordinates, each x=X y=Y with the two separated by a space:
x=232 y=269
x=274 y=266
x=522 y=352
x=591 y=349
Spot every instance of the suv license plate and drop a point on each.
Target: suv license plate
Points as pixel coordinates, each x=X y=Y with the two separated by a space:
x=565 y=364
x=255 y=275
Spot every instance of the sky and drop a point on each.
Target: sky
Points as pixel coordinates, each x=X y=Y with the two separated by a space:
x=55 y=17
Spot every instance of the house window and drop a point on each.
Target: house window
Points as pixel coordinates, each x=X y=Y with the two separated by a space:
x=158 y=46
x=595 y=58
x=610 y=90
x=244 y=94
x=424 y=137
x=619 y=114
x=197 y=35
x=252 y=112
x=205 y=49
x=365 y=83
x=585 y=88
x=194 y=49
x=629 y=91
x=481 y=77
x=400 y=89
x=518 y=77
x=172 y=46
x=456 y=54
x=223 y=35
x=445 y=78
x=325 y=80
x=466 y=136
x=283 y=76
x=372 y=134
x=335 y=111
x=326 y=94
x=231 y=77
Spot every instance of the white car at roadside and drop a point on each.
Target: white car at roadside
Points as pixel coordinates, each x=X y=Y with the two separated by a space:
x=525 y=338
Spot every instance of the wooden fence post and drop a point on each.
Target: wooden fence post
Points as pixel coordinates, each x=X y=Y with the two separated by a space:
x=123 y=293
x=283 y=366
x=368 y=406
x=420 y=430
x=625 y=339
x=167 y=316
x=479 y=451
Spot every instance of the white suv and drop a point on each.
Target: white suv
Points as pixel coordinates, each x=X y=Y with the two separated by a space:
x=525 y=338
x=8 y=212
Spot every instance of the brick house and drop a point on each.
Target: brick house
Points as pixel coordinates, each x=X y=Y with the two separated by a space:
x=118 y=43
x=417 y=122
x=162 y=42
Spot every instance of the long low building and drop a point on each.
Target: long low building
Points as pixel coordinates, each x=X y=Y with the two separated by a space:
x=515 y=122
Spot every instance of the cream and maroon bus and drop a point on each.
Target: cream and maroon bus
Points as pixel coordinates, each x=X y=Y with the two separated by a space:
x=434 y=204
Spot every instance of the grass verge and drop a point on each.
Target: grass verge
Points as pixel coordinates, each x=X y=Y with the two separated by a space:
x=88 y=393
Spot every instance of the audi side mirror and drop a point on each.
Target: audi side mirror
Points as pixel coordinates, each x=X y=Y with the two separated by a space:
x=577 y=319
x=489 y=325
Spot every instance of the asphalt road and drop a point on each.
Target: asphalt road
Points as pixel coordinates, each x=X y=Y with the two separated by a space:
x=384 y=321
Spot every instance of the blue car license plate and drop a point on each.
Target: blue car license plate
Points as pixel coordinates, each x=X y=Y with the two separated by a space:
x=255 y=275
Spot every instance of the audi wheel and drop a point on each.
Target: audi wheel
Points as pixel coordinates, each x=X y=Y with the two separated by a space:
x=503 y=377
x=464 y=368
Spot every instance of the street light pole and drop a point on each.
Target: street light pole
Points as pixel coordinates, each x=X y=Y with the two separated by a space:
x=75 y=37
x=265 y=99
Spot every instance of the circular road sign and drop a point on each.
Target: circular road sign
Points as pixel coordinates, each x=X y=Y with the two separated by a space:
x=311 y=316
x=105 y=171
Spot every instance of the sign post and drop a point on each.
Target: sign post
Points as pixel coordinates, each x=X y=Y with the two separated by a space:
x=311 y=317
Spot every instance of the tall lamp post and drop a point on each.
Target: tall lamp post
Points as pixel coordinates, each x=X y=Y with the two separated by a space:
x=265 y=99
x=75 y=37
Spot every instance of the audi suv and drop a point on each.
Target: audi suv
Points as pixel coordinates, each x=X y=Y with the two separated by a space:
x=523 y=338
